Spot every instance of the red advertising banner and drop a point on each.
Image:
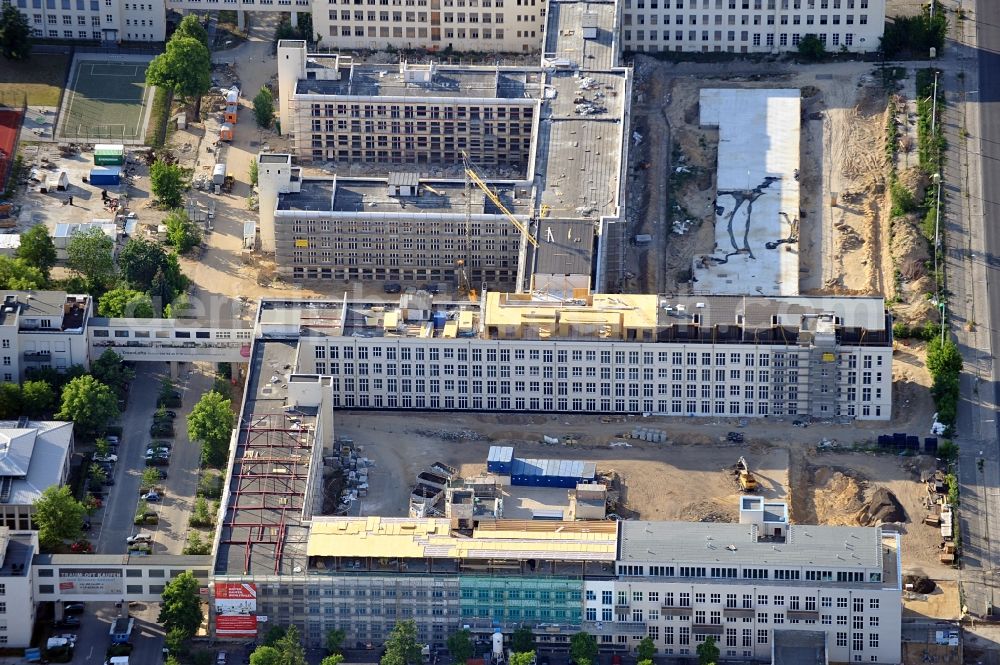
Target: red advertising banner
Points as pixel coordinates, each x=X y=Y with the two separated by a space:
x=236 y=626
x=235 y=609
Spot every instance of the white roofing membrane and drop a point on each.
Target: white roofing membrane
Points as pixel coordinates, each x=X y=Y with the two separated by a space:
x=757 y=199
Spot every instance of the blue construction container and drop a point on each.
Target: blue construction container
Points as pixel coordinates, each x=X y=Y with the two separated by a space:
x=551 y=472
x=499 y=460
x=105 y=175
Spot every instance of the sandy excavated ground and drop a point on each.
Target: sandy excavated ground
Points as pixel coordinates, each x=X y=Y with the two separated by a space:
x=688 y=479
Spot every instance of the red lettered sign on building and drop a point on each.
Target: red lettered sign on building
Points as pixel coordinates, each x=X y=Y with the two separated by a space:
x=235 y=609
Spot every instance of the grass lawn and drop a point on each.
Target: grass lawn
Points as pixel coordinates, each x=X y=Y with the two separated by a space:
x=41 y=76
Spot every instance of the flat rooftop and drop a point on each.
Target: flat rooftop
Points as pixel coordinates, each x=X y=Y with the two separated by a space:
x=64 y=312
x=757 y=201
x=508 y=84
x=565 y=246
x=579 y=144
x=263 y=531
x=564 y=34
x=732 y=319
x=371 y=195
x=839 y=547
x=417 y=538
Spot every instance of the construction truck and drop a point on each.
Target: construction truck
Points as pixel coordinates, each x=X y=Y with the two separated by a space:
x=745 y=477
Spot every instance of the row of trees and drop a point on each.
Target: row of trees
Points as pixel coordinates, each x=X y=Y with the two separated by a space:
x=145 y=280
x=282 y=646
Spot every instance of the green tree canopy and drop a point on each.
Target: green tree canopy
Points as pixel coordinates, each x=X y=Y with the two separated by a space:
x=90 y=254
x=11 y=401
x=167 y=182
x=333 y=659
x=460 y=646
x=402 y=648
x=708 y=653
x=38 y=398
x=185 y=68
x=523 y=640
x=90 y=404
x=37 y=249
x=290 y=647
x=273 y=635
x=265 y=655
x=111 y=370
x=646 y=649
x=124 y=302
x=15 y=33
x=182 y=233
x=335 y=640
x=180 y=604
x=583 y=646
x=190 y=26
x=16 y=275
x=211 y=424
x=811 y=48
x=263 y=107
x=58 y=516
x=943 y=357
x=138 y=262
x=522 y=658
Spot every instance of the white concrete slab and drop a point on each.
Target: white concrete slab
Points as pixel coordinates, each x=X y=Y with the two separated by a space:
x=757 y=193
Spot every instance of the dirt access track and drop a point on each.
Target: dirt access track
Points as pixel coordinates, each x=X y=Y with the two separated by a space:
x=688 y=479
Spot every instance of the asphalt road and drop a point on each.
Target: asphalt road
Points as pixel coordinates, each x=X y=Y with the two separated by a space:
x=174 y=510
x=988 y=24
x=119 y=505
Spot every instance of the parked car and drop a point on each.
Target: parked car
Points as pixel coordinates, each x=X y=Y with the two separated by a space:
x=112 y=440
x=160 y=444
x=106 y=458
x=167 y=413
x=141 y=537
x=220 y=658
x=86 y=524
x=69 y=637
x=392 y=287
x=68 y=622
x=151 y=497
x=73 y=608
x=162 y=429
x=157 y=461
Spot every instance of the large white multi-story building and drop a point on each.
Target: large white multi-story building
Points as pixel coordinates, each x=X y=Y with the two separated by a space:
x=733 y=26
x=708 y=356
x=41 y=329
x=744 y=583
x=750 y=26
x=108 y=21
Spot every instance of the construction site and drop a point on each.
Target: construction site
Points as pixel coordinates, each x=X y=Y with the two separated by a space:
x=684 y=473
x=842 y=233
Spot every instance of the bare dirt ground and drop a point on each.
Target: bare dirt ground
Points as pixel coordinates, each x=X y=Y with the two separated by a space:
x=688 y=479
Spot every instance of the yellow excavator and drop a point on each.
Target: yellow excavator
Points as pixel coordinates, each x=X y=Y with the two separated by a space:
x=745 y=477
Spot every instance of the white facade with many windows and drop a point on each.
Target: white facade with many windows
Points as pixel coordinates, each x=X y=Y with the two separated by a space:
x=100 y=20
x=681 y=582
x=750 y=26
x=737 y=357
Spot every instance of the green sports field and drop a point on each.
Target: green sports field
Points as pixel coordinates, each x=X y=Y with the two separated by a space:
x=105 y=101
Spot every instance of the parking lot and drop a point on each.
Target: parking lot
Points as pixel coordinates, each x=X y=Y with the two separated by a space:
x=113 y=523
x=93 y=640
